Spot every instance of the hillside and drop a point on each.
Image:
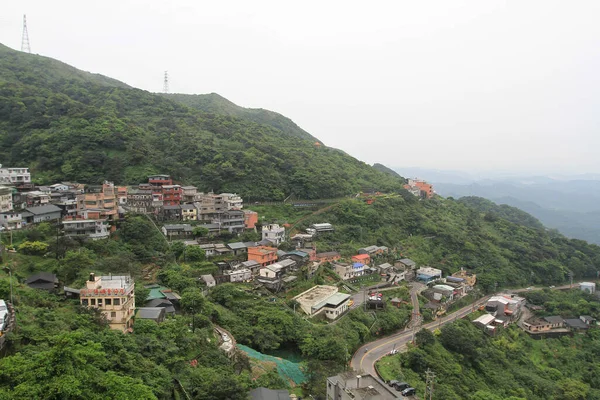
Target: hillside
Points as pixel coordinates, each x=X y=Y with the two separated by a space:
x=383 y=168
x=507 y=212
x=67 y=124
x=215 y=104
x=449 y=234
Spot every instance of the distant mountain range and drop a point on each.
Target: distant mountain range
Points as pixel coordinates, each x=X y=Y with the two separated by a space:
x=568 y=204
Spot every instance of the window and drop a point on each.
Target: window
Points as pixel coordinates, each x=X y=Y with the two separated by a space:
x=93 y=302
x=99 y=302
x=84 y=302
x=113 y=314
x=108 y=302
x=117 y=302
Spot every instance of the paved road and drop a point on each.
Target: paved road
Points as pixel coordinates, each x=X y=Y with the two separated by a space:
x=365 y=357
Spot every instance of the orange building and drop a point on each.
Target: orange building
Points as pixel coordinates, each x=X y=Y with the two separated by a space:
x=362 y=258
x=250 y=219
x=420 y=187
x=101 y=200
x=262 y=255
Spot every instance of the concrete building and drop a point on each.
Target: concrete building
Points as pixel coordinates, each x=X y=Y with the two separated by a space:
x=188 y=194
x=92 y=228
x=362 y=258
x=589 y=287
x=34 y=215
x=11 y=220
x=324 y=300
x=156 y=314
x=329 y=256
x=468 y=278
x=139 y=201
x=349 y=271
x=189 y=212
x=209 y=280
x=274 y=233
x=238 y=275
x=114 y=296
x=172 y=195
x=160 y=180
x=102 y=199
x=6 y=203
x=406 y=263
x=353 y=386
x=428 y=274
x=232 y=201
x=320 y=228
x=16 y=176
x=262 y=255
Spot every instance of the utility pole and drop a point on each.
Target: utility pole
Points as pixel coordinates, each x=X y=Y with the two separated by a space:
x=429 y=381
x=571 y=279
x=25 y=38
x=166 y=83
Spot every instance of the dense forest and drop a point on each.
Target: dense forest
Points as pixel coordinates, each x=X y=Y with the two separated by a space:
x=67 y=124
x=469 y=364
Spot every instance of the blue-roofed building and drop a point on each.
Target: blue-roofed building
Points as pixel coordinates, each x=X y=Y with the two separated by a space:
x=428 y=274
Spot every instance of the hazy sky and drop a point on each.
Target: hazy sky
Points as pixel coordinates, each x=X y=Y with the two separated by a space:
x=437 y=84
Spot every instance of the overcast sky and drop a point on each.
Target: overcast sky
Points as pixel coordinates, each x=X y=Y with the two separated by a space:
x=462 y=85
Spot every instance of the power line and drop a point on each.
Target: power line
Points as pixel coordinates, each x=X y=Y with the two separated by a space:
x=166 y=83
x=25 y=38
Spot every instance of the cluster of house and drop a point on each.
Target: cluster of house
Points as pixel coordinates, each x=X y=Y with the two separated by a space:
x=266 y=265
x=420 y=188
x=501 y=310
x=86 y=210
x=83 y=210
x=352 y=385
x=114 y=296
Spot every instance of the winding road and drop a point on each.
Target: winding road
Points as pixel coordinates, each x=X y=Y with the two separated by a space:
x=367 y=355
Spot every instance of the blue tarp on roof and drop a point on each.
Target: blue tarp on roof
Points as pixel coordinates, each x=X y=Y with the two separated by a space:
x=358 y=265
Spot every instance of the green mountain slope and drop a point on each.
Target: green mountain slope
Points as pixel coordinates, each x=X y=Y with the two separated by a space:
x=67 y=124
x=494 y=210
x=216 y=104
x=383 y=168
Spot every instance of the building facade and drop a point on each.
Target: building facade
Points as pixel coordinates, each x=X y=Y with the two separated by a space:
x=262 y=255
x=114 y=296
x=93 y=228
x=273 y=233
x=6 y=203
x=15 y=176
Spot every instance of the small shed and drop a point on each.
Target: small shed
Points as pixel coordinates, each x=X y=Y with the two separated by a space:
x=396 y=302
x=156 y=314
x=43 y=280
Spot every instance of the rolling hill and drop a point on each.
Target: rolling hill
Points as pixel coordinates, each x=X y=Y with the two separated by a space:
x=67 y=124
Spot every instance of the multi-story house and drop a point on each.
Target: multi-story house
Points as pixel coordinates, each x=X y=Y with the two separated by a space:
x=99 y=198
x=36 y=198
x=189 y=212
x=262 y=255
x=160 y=180
x=189 y=194
x=139 y=201
x=232 y=220
x=232 y=201
x=16 y=176
x=92 y=228
x=273 y=233
x=6 y=203
x=171 y=195
x=10 y=220
x=114 y=296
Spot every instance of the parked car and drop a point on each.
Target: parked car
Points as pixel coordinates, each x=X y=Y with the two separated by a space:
x=400 y=386
x=394 y=351
x=392 y=383
x=409 y=391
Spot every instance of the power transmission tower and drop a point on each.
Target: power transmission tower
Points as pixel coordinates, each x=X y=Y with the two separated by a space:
x=166 y=83
x=429 y=381
x=25 y=38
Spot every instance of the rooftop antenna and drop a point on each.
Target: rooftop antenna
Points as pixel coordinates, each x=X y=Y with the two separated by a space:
x=25 y=38
x=166 y=83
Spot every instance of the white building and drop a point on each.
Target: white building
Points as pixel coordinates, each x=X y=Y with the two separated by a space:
x=232 y=201
x=273 y=233
x=10 y=220
x=238 y=275
x=15 y=175
x=6 y=203
x=589 y=287
x=322 y=299
x=93 y=228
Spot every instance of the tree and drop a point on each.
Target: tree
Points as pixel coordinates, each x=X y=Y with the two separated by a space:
x=194 y=254
x=424 y=338
x=200 y=231
x=572 y=389
x=177 y=248
x=33 y=248
x=74 y=263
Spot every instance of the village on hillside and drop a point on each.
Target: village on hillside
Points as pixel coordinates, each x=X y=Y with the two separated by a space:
x=277 y=263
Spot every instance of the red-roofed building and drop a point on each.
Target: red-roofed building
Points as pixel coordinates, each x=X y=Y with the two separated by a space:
x=362 y=258
x=262 y=255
